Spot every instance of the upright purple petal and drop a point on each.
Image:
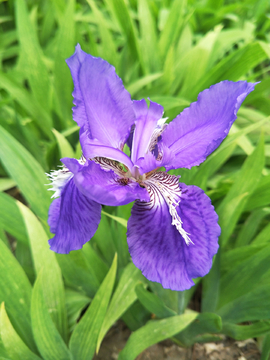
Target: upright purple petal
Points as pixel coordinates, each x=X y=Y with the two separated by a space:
x=146 y=122
x=156 y=246
x=102 y=105
x=106 y=186
x=73 y=218
x=199 y=129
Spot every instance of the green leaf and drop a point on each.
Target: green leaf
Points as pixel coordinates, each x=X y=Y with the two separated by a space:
x=245 y=308
x=44 y=258
x=204 y=323
x=32 y=56
x=64 y=146
x=153 y=332
x=14 y=345
x=26 y=172
x=78 y=272
x=243 y=332
x=137 y=85
x=263 y=237
x=11 y=219
x=250 y=271
x=261 y=195
x=149 y=42
x=122 y=15
x=28 y=103
x=83 y=340
x=122 y=299
x=153 y=303
x=121 y=221
x=233 y=66
x=50 y=343
x=265 y=348
x=172 y=27
x=6 y=184
x=232 y=206
x=250 y=226
x=15 y=291
x=64 y=48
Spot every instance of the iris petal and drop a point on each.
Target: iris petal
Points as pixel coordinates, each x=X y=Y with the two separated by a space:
x=107 y=187
x=156 y=246
x=146 y=122
x=102 y=104
x=200 y=129
x=73 y=218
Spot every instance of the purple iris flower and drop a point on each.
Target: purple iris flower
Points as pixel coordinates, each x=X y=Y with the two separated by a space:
x=173 y=230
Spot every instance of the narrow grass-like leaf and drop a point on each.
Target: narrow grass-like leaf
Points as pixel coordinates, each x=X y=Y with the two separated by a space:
x=243 y=332
x=153 y=303
x=139 y=84
x=15 y=347
x=251 y=271
x=64 y=146
x=149 y=42
x=78 y=272
x=15 y=291
x=265 y=348
x=64 y=48
x=232 y=67
x=123 y=297
x=31 y=52
x=83 y=341
x=27 y=173
x=250 y=226
x=44 y=258
x=121 y=221
x=28 y=103
x=172 y=27
x=153 y=332
x=245 y=308
x=107 y=48
x=122 y=14
x=261 y=195
x=233 y=204
x=204 y=323
x=48 y=340
x=6 y=184
x=11 y=219
x=263 y=237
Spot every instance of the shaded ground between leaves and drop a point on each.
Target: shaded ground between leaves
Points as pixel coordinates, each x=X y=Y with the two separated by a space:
x=227 y=349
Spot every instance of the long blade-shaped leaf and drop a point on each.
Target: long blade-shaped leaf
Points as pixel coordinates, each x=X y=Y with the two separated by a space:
x=83 y=341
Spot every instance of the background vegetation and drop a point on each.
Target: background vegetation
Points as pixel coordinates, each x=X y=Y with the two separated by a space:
x=168 y=51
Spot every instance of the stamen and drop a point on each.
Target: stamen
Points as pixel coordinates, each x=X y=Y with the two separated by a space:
x=167 y=186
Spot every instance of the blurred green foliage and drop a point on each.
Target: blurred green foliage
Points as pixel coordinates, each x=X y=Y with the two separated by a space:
x=168 y=51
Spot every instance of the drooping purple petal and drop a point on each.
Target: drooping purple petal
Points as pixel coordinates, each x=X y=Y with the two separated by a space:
x=156 y=246
x=93 y=147
x=146 y=122
x=102 y=105
x=107 y=187
x=73 y=218
x=199 y=129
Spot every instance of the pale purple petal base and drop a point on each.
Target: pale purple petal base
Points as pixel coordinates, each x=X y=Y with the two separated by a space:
x=158 y=249
x=106 y=187
x=73 y=218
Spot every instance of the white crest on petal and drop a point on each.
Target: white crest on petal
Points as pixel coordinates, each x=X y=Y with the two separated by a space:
x=166 y=186
x=59 y=178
